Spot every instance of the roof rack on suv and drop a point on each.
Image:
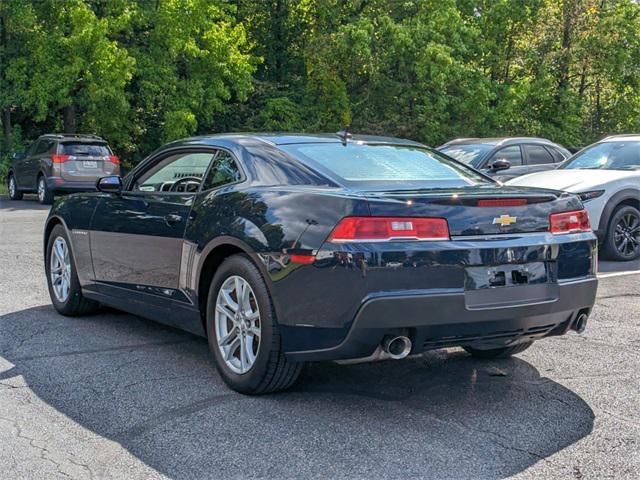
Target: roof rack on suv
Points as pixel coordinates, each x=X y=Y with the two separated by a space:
x=73 y=135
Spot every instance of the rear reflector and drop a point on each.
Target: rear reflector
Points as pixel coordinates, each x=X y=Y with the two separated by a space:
x=114 y=159
x=569 y=222
x=303 y=259
x=377 y=229
x=502 y=202
x=60 y=158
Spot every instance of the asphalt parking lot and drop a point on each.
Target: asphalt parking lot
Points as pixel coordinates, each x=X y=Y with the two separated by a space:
x=116 y=396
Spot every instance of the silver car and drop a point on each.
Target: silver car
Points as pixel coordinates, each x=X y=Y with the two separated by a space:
x=60 y=163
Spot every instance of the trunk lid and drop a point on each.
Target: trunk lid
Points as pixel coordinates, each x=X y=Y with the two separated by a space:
x=87 y=161
x=482 y=210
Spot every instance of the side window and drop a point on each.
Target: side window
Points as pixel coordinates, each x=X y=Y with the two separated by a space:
x=182 y=172
x=512 y=154
x=32 y=148
x=223 y=171
x=538 y=155
x=43 y=147
x=556 y=154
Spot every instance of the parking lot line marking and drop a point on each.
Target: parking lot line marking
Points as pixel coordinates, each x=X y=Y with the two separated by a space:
x=618 y=274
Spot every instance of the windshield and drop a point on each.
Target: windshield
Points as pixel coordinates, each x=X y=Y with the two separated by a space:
x=607 y=156
x=385 y=165
x=471 y=154
x=92 y=149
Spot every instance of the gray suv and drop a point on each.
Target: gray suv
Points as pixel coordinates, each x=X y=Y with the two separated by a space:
x=506 y=158
x=60 y=163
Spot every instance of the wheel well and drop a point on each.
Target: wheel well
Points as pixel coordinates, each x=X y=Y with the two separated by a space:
x=211 y=264
x=50 y=226
x=632 y=202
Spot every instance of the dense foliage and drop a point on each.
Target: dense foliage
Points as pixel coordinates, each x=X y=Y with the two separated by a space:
x=142 y=73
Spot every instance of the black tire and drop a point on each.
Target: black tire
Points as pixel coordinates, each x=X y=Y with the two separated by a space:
x=623 y=225
x=75 y=304
x=45 y=195
x=271 y=370
x=498 y=352
x=12 y=185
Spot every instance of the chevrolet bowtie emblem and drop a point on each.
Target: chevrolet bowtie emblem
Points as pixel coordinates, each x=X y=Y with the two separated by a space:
x=504 y=220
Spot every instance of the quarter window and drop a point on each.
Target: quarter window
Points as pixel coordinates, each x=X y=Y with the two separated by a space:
x=43 y=147
x=223 y=171
x=538 y=155
x=512 y=154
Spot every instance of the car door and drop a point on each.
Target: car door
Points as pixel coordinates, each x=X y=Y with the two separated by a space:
x=25 y=175
x=136 y=237
x=538 y=158
x=511 y=153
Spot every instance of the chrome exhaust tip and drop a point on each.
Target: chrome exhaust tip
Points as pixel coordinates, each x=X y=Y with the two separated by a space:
x=396 y=347
x=580 y=324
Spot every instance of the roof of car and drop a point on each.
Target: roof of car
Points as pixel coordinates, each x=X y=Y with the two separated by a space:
x=496 y=140
x=627 y=137
x=292 y=138
x=76 y=137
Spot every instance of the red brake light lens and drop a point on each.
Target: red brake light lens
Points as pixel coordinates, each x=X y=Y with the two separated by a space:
x=114 y=159
x=502 y=202
x=60 y=158
x=376 y=229
x=569 y=222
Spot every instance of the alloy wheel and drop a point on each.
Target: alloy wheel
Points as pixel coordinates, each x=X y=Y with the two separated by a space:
x=237 y=324
x=12 y=187
x=41 y=190
x=60 y=269
x=626 y=235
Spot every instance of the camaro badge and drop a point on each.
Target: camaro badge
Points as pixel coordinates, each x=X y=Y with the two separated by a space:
x=504 y=220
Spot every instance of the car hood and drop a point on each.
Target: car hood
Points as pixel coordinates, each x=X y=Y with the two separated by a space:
x=571 y=180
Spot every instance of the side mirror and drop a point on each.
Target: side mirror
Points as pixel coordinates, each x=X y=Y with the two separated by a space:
x=110 y=184
x=18 y=155
x=500 y=164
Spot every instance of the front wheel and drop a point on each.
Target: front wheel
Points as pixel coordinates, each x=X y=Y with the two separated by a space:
x=243 y=333
x=503 y=352
x=14 y=193
x=45 y=195
x=622 y=241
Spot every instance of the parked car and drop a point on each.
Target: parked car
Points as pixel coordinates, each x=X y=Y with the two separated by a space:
x=505 y=158
x=606 y=176
x=282 y=249
x=57 y=163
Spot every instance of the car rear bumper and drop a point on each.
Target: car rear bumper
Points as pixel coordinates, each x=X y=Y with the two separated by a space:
x=59 y=184
x=444 y=318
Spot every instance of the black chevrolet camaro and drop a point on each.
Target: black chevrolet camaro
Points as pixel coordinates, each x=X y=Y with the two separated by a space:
x=282 y=249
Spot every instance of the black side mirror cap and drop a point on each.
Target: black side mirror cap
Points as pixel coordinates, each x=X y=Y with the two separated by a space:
x=110 y=184
x=500 y=164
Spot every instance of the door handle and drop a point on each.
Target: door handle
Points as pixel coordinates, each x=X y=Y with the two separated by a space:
x=172 y=219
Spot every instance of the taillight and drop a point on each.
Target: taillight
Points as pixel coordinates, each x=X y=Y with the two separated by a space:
x=502 y=202
x=60 y=158
x=376 y=229
x=114 y=159
x=569 y=222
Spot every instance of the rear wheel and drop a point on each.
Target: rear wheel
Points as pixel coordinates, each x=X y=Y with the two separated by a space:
x=243 y=333
x=45 y=195
x=14 y=193
x=504 y=352
x=622 y=241
x=62 y=278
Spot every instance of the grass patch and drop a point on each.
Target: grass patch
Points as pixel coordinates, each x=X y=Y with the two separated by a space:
x=4 y=190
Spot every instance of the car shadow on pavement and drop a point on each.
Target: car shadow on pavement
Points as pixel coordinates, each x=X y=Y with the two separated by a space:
x=153 y=390
x=29 y=203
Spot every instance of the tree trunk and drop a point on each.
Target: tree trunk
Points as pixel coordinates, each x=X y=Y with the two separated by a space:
x=69 y=118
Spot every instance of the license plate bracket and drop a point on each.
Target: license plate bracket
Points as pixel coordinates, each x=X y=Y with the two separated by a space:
x=89 y=164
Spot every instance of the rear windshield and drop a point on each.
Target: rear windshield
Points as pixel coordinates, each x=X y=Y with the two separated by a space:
x=90 y=149
x=471 y=154
x=385 y=165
